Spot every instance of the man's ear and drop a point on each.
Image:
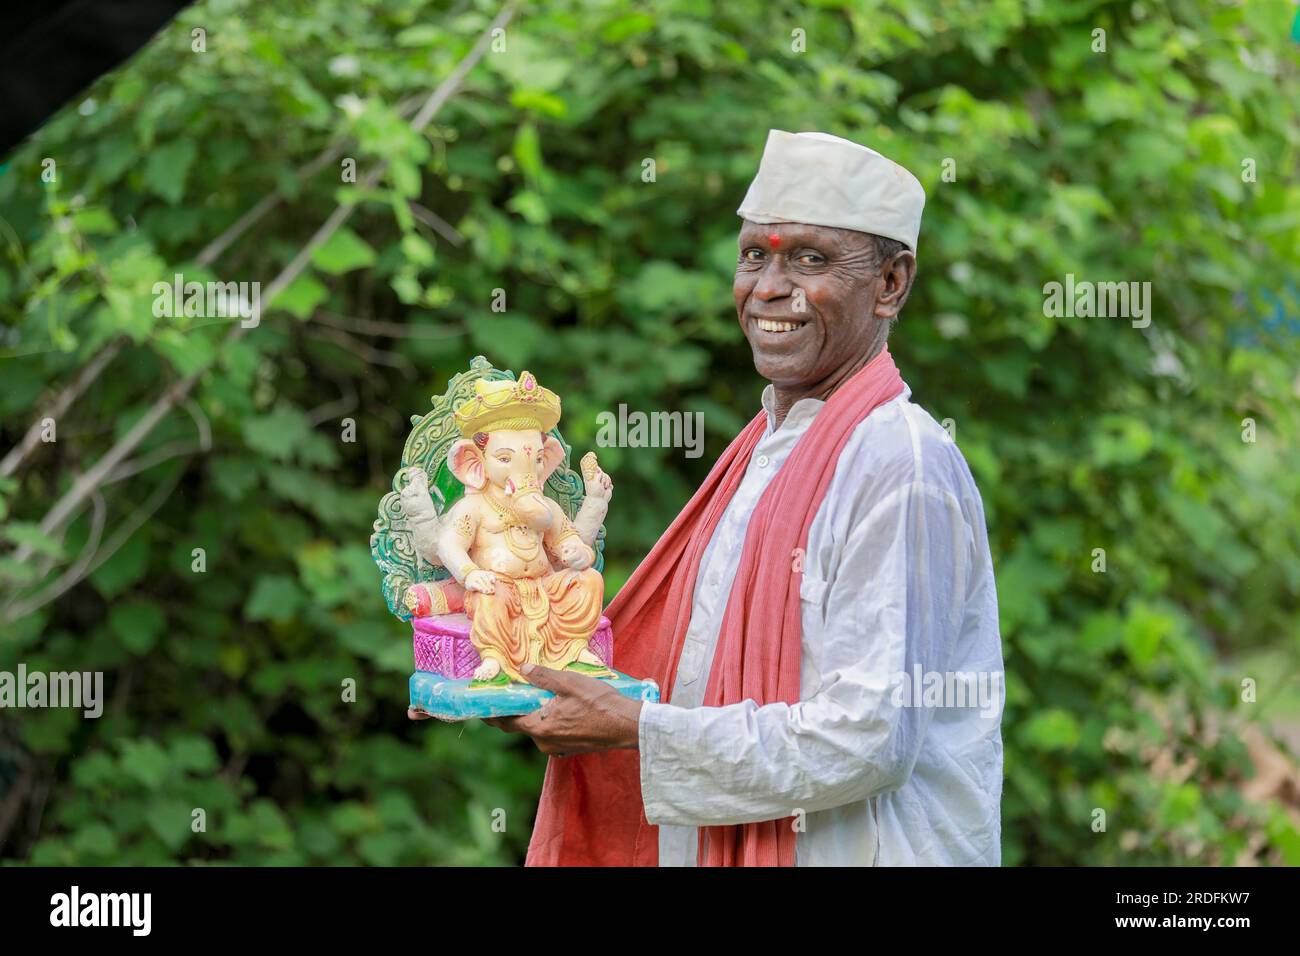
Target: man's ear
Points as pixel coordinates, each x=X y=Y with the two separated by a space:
x=466 y=462
x=897 y=275
x=552 y=455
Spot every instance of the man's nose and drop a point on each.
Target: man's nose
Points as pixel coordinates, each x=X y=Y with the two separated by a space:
x=773 y=282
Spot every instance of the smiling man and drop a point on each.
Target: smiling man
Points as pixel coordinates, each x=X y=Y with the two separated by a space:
x=834 y=562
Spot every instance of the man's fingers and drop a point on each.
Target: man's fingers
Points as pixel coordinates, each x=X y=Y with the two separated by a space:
x=508 y=724
x=548 y=679
x=414 y=714
x=533 y=725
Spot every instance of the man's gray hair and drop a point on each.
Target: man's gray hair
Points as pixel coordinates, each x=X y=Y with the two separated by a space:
x=886 y=248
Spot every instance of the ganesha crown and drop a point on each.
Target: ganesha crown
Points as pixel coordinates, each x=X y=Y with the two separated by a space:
x=508 y=405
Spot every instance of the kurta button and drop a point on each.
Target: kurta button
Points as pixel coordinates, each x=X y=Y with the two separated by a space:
x=762 y=461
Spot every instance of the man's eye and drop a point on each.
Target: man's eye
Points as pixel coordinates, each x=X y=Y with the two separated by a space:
x=811 y=259
x=752 y=255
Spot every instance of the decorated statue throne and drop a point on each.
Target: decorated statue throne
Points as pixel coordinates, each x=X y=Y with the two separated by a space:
x=421 y=591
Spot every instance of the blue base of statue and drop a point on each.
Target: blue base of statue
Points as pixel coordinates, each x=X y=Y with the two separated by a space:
x=450 y=699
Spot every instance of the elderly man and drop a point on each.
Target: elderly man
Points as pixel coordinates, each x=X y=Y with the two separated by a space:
x=821 y=617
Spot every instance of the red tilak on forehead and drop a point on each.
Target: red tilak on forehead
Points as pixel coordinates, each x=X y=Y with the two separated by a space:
x=774 y=240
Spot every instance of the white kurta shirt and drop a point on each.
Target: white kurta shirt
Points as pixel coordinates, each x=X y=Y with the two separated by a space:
x=897 y=580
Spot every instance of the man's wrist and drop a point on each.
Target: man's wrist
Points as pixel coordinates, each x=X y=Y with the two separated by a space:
x=631 y=736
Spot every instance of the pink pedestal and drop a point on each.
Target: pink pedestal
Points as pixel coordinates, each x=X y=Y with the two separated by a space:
x=442 y=645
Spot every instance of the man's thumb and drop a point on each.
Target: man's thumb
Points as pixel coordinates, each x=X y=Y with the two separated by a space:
x=545 y=678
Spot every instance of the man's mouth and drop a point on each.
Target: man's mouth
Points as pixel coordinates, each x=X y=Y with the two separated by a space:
x=779 y=327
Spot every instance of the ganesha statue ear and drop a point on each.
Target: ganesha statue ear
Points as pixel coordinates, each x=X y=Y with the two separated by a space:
x=552 y=456
x=465 y=460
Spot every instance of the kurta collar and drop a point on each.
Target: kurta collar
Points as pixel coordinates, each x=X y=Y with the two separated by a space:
x=803 y=411
x=800 y=415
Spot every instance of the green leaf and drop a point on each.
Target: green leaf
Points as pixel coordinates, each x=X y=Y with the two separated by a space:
x=171 y=822
x=145 y=762
x=274 y=598
x=95 y=840
x=513 y=338
x=167 y=168
x=1052 y=729
x=527 y=64
x=405 y=177
x=137 y=623
x=279 y=434
x=626 y=26
x=301 y=296
x=417 y=250
x=29 y=534
x=528 y=151
x=343 y=252
x=194 y=754
x=128 y=565
x=420 y=35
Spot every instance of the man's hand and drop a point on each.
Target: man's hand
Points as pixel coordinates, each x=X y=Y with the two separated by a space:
x=584 y=716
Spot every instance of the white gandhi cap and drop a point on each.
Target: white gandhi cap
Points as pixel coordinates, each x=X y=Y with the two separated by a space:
x=823 y=180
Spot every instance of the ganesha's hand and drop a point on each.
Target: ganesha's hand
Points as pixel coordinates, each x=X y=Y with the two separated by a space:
x=576 y=555
x=482 y=581
x=598 y=485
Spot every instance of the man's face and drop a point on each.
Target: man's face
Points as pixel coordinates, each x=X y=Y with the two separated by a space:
x=806 y=299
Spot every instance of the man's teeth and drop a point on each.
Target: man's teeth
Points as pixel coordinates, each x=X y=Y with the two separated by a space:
x=767 y=325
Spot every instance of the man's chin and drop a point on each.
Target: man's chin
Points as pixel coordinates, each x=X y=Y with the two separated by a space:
x=778 y=368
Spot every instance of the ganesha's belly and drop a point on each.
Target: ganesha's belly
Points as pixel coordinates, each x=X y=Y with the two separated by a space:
x=499 y=557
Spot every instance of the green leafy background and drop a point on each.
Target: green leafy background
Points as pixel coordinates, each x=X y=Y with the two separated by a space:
x=224 y=688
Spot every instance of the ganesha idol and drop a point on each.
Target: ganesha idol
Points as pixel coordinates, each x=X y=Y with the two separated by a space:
x=524 y=569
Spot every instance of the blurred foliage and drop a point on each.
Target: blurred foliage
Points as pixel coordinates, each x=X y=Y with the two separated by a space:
x=226 y=687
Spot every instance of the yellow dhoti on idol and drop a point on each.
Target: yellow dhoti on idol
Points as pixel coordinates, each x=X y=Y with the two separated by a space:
x=546 y=621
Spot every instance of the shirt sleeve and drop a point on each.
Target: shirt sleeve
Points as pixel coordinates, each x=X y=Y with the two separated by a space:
x=897 y=598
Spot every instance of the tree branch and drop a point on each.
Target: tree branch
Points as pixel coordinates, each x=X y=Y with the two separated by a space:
x=392 y=330
x=360 y=349
x=16 y=609
x=84 y=569
x=60 y=405
x=435 y=222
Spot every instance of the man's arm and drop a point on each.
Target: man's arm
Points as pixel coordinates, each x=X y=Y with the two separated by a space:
x=899 y=597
